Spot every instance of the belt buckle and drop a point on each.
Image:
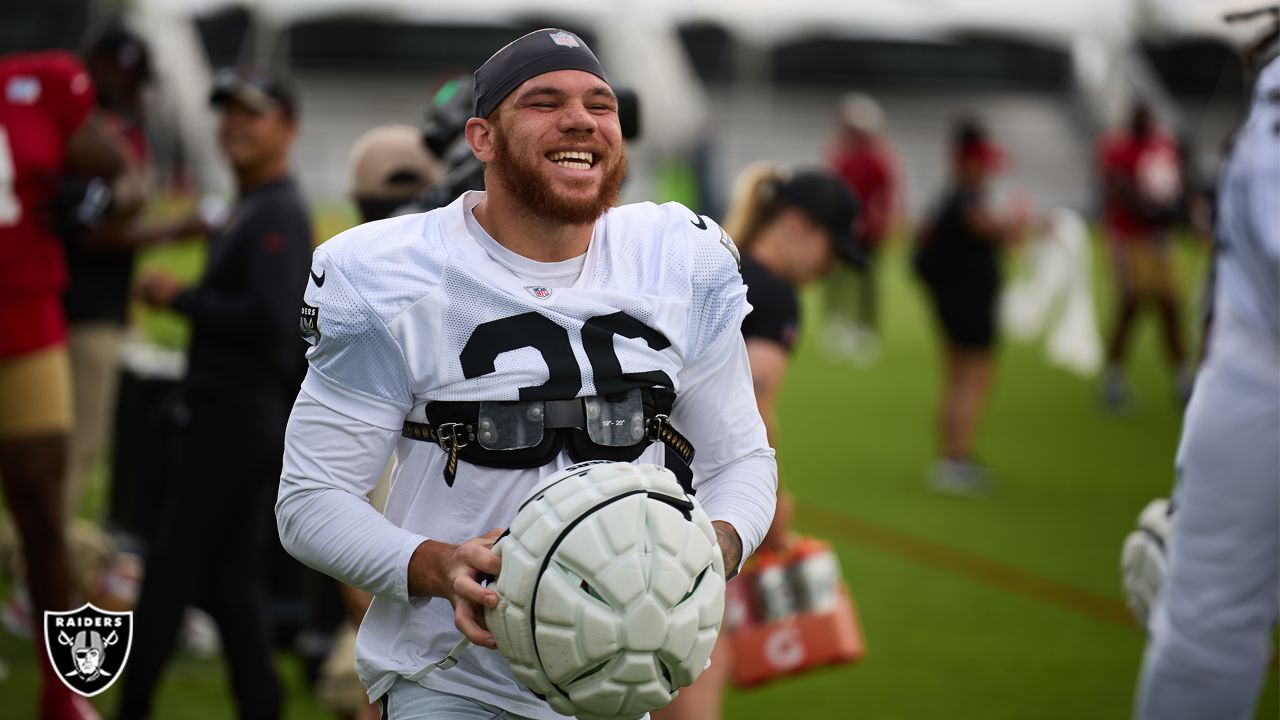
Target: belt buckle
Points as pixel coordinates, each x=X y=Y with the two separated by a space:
x=654 y=426
x=447 y=436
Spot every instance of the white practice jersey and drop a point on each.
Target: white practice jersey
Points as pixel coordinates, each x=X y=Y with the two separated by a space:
x=1246 y=332
x=427 y=307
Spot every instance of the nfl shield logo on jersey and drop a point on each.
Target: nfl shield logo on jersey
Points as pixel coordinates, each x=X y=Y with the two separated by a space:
x=565 y=39
x=538 y=291
x=88 y=647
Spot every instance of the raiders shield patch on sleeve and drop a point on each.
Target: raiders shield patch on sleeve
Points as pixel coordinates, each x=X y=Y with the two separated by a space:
x=728 y=244
x=309 y=323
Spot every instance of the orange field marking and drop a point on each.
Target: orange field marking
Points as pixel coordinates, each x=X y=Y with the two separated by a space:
x=971 y=566
x=856 y=531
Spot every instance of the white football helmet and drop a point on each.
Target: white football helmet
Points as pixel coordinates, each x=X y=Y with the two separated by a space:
x=1144 y=557
x=612 y=590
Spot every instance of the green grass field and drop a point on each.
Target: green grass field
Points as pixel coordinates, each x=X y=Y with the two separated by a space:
x=1007 y=606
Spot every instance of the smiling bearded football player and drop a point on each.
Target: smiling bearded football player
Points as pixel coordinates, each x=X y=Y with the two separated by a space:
x=482 y=343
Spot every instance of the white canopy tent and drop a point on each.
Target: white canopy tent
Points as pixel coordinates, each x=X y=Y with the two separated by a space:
x=639 y=48
x=639 y=44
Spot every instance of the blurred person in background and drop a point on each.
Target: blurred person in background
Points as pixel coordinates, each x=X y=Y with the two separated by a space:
x=1211 y=629
x=49 y=129
x=1142 y=182
x=958 y=259
x=100 y=255
x=245 y=364
x=390 y=167
x=791 y=229
x=864 y=160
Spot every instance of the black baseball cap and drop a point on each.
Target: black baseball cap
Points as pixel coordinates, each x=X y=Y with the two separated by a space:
x=541 y=51
x=971 y=141
x=124 y=49
x=259 y=89
x=828 y=202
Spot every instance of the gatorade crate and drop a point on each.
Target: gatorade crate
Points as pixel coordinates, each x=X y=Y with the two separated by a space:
x=765 y=651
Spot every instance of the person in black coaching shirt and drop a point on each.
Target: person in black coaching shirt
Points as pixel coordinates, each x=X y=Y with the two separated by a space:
x=246 y=364
x=957 y=258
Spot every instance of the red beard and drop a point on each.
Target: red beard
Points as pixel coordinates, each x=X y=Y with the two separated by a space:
x=521 y=171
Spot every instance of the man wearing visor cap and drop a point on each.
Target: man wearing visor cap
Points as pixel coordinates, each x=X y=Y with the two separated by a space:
x=259 y=91
x=244 y=366
x=542 y=295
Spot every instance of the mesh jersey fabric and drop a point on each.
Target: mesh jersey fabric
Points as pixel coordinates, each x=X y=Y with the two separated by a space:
x=407 y=294
x=399 y=301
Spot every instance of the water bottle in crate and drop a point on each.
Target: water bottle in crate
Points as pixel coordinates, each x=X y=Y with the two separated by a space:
x=774 y=594
x=794 y=613
x=814 y=573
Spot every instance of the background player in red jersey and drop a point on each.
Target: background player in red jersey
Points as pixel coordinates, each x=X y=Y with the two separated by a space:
x=100 y=254
x=48 y=129
x=1142 y=180
x=865 y=161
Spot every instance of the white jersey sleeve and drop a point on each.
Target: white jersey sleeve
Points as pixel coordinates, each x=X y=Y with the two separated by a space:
x=357 y=366
x=718 y=296
x=331 y=463
x=1246 y=325
x=1265 y=126
x=735 y=474
x=354 y=399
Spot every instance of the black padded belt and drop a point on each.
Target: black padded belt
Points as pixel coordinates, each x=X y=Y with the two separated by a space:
x=454 y=426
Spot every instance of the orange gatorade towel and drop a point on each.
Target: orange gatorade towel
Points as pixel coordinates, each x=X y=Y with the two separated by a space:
x=787 y=614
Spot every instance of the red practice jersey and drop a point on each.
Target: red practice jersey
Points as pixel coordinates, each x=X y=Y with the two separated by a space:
x=44 y=98
x=1138 y=165
x=870 y=171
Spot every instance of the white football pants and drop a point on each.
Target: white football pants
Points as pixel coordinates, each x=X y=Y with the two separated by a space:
x=411 y=701
x=1210 y=634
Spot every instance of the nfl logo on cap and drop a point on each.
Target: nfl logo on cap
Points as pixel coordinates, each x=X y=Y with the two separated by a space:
x=566 y=39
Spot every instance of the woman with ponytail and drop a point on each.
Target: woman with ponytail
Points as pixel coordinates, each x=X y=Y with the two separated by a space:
x=791 y=229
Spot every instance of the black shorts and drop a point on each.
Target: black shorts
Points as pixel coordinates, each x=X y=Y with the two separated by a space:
x=967 y=315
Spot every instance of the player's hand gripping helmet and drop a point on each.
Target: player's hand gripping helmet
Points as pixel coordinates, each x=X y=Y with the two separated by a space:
x=612 y=590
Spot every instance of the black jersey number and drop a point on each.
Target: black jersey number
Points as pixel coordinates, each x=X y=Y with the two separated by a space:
x=532 y=330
